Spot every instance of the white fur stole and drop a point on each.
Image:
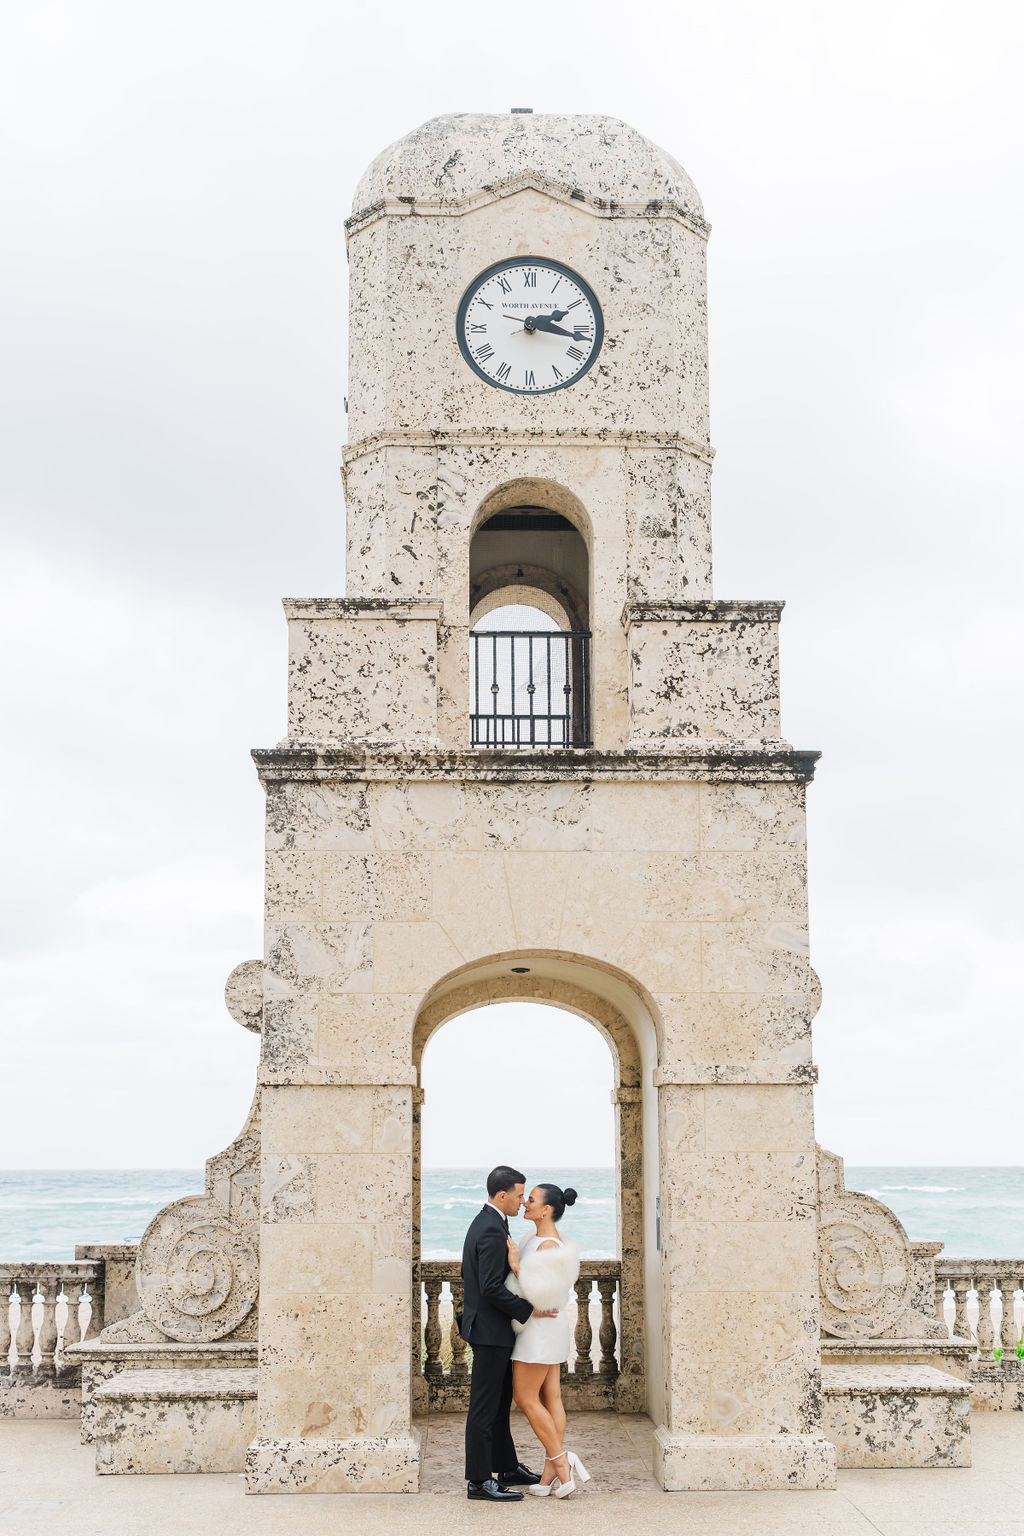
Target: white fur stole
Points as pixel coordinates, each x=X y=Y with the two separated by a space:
x=546 y=1277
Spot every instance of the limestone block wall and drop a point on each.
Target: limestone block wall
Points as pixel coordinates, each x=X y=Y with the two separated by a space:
x=413 y=505
x=666 y=661
x=409 y=270
x=376 y=889
x=703 y=671
x=741 y=1245
x=364 y=672
x=335 y=1276
x=695 y=891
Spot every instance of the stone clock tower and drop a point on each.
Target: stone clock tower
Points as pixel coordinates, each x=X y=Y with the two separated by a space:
x=598 y=812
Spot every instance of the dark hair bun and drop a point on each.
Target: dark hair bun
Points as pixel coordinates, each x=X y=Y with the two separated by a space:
x=569 y=1196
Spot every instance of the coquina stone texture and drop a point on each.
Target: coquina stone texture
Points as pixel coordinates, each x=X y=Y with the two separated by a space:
x=174 y=1421
x=651 y=877
x=654 y=881
x=897 y=1416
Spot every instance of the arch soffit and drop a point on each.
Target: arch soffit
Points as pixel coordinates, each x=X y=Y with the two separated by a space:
x=557 y=992
x=536 y=590
x=531 y=492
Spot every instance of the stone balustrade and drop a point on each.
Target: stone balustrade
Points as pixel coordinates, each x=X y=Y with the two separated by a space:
x=589 y=1376
x=980 y=1298
x=49 y=1307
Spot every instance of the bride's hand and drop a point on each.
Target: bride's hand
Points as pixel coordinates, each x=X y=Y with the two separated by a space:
x=513 y=1256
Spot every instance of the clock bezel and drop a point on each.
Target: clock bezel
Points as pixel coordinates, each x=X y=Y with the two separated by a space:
x=523 y=261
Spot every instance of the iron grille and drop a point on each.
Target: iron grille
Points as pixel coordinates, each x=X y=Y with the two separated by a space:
x=530 y=689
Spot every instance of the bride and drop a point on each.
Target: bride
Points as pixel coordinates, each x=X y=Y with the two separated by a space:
x=544 y=1271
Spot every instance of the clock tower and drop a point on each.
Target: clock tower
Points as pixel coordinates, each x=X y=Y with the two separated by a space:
x=596 y=809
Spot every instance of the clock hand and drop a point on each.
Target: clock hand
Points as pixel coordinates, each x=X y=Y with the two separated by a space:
x=578 y=331
x=546 y=323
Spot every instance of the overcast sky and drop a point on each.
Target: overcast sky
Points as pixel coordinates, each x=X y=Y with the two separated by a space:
x=173 y=282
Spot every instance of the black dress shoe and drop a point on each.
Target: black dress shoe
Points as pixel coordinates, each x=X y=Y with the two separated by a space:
x=492 y=1489
x=522 y=1477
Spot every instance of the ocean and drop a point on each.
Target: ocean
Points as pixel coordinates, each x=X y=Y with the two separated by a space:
x=976 y=1212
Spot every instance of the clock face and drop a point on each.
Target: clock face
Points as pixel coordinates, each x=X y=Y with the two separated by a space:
x=529 y=325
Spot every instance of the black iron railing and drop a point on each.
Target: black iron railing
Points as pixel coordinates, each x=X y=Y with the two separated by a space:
x=530 y=689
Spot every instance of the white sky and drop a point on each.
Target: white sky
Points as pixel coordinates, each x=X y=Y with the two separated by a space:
x=557 y=1110
x=173 y=281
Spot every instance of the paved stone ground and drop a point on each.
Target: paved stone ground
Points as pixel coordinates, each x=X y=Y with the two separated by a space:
x=47 y=1485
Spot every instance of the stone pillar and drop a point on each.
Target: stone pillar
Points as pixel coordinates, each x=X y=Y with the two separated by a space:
x=740 y=1273
x=335 y=1278
x=738 y=1168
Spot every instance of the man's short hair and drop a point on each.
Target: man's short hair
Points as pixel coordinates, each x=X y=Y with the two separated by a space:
x=502 y=1179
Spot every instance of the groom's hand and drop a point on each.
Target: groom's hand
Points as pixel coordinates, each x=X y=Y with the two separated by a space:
x=513 y=1256
x=546 y=1314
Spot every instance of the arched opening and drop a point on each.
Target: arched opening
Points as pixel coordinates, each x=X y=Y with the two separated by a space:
x=529 y=576
x=617 y=1310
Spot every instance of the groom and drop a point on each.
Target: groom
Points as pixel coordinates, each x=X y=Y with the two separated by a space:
x=488 y=1307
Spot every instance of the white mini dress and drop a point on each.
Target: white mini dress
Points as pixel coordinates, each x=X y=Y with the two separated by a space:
x=544 y=1340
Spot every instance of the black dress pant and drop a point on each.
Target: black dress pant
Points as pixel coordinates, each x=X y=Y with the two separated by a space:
x=489 y=1446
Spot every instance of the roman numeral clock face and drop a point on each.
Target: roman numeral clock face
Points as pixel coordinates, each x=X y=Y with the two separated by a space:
x=530 y=326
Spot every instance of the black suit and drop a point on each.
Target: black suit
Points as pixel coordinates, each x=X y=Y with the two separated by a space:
x=487 y=1310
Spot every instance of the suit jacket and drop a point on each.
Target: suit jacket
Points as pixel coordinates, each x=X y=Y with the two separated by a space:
x=488 y=1306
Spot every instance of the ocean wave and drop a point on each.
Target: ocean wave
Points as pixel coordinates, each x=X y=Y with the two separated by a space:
x=160 y=1197
x=922 y=1189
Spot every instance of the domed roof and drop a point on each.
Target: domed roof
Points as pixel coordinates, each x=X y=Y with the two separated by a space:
x=601 y=160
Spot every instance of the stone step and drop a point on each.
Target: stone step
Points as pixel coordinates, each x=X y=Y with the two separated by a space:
x=957 y=1356
x=100 y=1360
x=896 y=1416
x=175 y=1420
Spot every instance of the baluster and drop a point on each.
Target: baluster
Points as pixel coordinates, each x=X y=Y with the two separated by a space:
x=940 y=1303
x=48 y=1329
x=459 y=1366
x=72 y=1327
x=607 y=1332
x=5 y=1328
x=432 y=1332
x=961 y=1326
x=985 y=1335
x=95 y=1293
x=25 y=1336
x=1008 y=1325
x=584 y=1332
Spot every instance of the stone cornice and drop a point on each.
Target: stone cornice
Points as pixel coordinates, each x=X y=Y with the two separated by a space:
x=529 y=181
x=358 y=608
x=691 y=1074
x=758 y=610
x=99 y=1350
x=326 y=762
x=501 y=437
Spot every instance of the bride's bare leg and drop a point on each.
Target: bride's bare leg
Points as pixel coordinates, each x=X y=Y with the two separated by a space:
x=551 y=1397
x=527 y=1381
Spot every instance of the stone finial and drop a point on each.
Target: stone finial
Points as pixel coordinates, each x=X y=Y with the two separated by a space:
x=243 y=995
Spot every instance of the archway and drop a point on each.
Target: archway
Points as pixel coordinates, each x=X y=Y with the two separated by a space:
x=616 y=1374
x=529 y=602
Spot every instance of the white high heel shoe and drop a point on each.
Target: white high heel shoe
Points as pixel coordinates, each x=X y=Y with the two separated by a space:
x=541 y=1490
x=576 y=1470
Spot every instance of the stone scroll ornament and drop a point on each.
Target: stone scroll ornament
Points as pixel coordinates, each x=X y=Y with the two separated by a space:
x=864 y=1258
x=196 y=1271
